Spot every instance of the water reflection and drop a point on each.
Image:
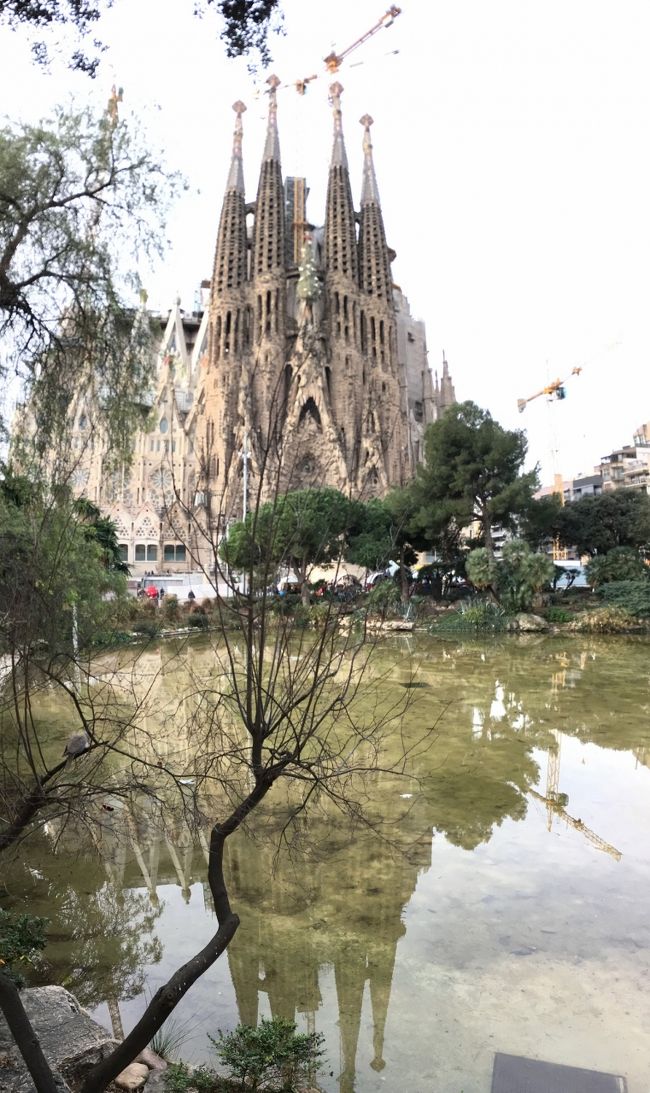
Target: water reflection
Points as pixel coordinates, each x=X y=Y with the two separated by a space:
x=336 y=908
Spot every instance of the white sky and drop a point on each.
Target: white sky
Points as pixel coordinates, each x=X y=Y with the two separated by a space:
x=511 y=147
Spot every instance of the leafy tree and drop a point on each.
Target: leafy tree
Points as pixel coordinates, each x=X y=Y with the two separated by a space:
x=298 y=529
x=619 y=564
x=596 y=525
x=81 y=199
x=101 y=530
x=515 y=578
x=472 y=471
x=542 y=520
x=385 y=531
x=246 y=26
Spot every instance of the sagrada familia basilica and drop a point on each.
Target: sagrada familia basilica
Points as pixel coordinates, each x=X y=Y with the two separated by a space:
x=303 y=367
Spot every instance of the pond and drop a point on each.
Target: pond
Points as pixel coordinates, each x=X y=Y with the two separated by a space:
x=500 y=907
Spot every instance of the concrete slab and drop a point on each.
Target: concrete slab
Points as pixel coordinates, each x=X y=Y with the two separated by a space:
x=514 y=1074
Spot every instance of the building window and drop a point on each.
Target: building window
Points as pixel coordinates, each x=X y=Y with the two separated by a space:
x=123 y=549
x=152 y=552
x=140 y=553
x=164 y=425
x=174 y=552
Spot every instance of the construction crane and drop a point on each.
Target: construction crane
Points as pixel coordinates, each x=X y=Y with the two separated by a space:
x=554 y=800
x=555 y=391
x=558 y=809
x=333 y=61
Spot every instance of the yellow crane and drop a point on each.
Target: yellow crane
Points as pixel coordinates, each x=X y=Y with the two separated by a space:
x=334 y=60
x=555 y=391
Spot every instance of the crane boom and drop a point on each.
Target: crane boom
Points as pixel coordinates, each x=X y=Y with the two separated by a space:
x=334 y=60
x=554 y=390
x=578 y=825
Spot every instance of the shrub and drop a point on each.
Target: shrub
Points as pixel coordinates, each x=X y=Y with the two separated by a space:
x=604 y=620
x=198 y=618
x=384 y=597
x=272 y=1052
x=179 y=1078
x=516 y=577
x=558 y=614
x=481 y=615
x=207 y=604
x=170 y=608
x=149 y=627
x=22 y=937
x=632 y=596
x=619 y=564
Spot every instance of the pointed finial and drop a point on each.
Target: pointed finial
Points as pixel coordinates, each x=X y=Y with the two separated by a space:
x=236 y=173
x=369 y=190
x=339 y=158
x=272 y=146
x=445 y=366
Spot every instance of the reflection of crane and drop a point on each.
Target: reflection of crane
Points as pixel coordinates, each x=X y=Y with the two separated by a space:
x=556 y=802
x=556 y=391
x=333 y=61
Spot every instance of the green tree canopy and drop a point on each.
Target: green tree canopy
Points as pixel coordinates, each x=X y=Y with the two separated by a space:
x=297 y=530
x=473 y=471
x=81 y=201
x=596 y=525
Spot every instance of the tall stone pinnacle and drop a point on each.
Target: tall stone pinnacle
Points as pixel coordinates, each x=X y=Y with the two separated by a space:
x=340 y=226
x=236 y=173
x=272 y=145
x=369 y=190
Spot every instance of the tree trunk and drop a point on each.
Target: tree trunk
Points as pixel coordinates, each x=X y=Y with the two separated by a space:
x=26 y=1039
x=167 y=997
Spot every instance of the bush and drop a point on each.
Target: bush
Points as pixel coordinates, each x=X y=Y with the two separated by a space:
x=272 y=1052
x=604 y=620
x=481 y=615
x=170 y=608
x=516 y=578
x=149 y=628
x=179 y=1078
x=558 y=614
x=632 y=596
x=619 y=564
x=198 y=619
x=384 y=597
x=22 y=938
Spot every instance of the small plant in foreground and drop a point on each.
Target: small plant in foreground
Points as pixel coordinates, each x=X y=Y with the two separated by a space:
x=272 y=1052
x=179 y=1078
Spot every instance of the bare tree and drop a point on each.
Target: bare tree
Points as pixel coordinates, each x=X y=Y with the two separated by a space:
x=281 y=704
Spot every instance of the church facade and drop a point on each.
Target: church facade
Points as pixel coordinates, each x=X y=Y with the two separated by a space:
x=302 y=367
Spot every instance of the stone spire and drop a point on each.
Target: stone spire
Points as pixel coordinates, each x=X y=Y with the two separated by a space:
x=230 y=256
x=340 y=229
x=369 y=191
x=268 y=236
x=374 y=266
x=447 y=393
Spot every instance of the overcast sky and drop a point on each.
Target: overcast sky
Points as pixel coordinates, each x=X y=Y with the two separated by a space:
x=511 y=147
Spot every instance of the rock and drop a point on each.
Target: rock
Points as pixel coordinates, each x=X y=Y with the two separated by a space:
x=132 y=1077
x=72 y=1042
x=156 y=1082
x=151 y=1059
x=527 y=624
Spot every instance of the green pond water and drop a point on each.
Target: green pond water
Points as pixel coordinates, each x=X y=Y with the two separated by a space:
x=503 y=906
